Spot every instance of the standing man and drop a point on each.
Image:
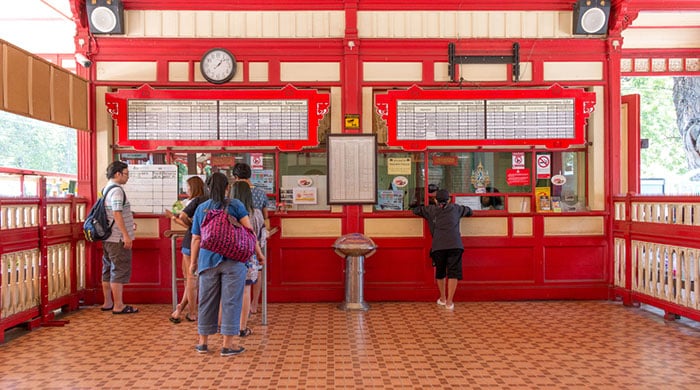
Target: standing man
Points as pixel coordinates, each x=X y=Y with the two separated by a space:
x=116 y=260
x=447 y=248
x=242 y=172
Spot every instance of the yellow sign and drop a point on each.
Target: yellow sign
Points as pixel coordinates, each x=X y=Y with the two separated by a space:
x=352 y=121
x=399 y=166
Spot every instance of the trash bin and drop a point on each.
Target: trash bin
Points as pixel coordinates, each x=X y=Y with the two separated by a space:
x=354 y=247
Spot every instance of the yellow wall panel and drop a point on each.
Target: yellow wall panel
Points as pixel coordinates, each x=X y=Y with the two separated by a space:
x=309 y=71
x=126 y=71
x=522 y=226
x=311 y=227
x=574 y=226
x=476 y=226
x=591 y=70
x=394 y=227
x=147 y=227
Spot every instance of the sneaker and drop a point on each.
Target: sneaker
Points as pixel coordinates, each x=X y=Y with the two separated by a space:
x=450 y=307
x=440 y=302
x=231 y=351
x=201 y=348
x=246 y=332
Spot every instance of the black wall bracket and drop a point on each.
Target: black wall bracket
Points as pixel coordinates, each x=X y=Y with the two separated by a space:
x=455 y=59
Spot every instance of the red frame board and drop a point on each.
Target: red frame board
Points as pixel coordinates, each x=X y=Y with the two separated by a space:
x=317 y=107
x=387 y=107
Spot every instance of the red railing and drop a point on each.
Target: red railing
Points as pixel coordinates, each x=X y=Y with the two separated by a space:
x=656 y=242
x=42 y=259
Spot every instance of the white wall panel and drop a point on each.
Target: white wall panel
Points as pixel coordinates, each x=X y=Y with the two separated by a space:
x=126 y=71
x=392 y=71
x=235 y=24
x=309 y=71
x=464 y=24
x=554 y=71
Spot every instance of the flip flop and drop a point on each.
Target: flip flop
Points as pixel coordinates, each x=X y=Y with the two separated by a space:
x=172 y=319
x=107 y=308
x=127 y=310
x=187 y=317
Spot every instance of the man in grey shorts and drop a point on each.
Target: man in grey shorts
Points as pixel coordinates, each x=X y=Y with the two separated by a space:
x=116 y=260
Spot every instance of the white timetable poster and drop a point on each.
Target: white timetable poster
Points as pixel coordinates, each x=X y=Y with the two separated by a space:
x=352 y=169
x=151 y=188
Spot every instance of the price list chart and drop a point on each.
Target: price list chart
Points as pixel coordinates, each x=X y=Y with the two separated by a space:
x=530 y=119
x=287 y=119
x=172 y=120
x=553 y=117
x=440 y=119
x=263 y=119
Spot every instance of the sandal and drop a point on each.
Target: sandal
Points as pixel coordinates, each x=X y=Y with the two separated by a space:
x=246 y=332
x=127 y=310
x=187 y=317
x=174 y=320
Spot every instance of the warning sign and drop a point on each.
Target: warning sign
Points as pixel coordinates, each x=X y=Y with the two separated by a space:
x=518 y=177
x=518 y=160
x=544 y=166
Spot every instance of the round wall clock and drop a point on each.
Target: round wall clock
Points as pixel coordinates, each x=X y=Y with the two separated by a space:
x=218 y=65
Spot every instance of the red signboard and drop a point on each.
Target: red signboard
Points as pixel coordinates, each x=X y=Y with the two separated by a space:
x=553 y=117
x=149 y=118
x=518 y=177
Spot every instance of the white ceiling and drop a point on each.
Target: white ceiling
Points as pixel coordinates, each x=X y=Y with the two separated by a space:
x=38 y=26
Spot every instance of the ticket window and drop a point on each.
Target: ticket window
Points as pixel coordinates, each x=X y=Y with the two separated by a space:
x=505 y=181
x=303 y=180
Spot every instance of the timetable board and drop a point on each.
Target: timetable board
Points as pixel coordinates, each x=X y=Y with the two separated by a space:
x=151 y=188
x=417 y=118
x=149 y=118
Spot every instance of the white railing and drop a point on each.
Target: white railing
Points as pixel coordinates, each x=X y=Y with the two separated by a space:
x=19 y=216
x=80 y=263
x=58 y=213
x=666 y=272
x=58 y=263
x=620 y=266
x=665 y=212
x=19 y=289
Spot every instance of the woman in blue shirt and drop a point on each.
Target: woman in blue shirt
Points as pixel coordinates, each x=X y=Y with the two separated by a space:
x=221 y=280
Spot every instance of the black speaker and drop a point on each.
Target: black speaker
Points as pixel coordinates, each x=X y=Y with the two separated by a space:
x=591 y=17
x=105 y=16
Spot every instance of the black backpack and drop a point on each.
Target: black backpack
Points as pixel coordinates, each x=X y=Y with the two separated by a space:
x=96 y=226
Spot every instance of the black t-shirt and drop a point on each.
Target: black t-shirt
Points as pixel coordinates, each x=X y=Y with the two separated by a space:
x=189 y=210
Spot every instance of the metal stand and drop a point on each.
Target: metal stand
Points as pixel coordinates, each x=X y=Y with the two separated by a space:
x=173 y=263
x=354 y=284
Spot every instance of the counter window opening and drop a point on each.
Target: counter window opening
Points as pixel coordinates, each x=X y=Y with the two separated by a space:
x=499 y=181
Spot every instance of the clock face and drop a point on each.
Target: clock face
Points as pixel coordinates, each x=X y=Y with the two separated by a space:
x=218 y=66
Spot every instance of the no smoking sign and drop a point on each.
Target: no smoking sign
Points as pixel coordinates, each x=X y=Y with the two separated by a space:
x=544 y=166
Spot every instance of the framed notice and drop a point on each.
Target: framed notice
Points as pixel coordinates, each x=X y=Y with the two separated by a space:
x=352 y=169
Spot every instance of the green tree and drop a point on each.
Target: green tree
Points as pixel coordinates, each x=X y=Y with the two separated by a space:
x=35 y=145
x=666 y=153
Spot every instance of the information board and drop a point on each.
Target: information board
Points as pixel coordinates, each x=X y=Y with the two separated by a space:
x=151 y=188
x=149 y=118
x=553 y=117
x=352 y=169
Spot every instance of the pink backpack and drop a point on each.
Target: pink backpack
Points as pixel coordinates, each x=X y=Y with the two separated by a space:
x=223 y=234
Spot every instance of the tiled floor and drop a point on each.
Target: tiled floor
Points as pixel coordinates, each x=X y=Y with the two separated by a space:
x=481 y=345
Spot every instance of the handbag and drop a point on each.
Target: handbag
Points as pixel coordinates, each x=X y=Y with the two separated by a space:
x=221 y=233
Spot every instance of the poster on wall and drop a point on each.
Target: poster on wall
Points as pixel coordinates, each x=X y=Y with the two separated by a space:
x=352 y=169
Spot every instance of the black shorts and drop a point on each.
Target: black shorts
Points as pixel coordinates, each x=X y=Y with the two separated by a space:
x=448 y=262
